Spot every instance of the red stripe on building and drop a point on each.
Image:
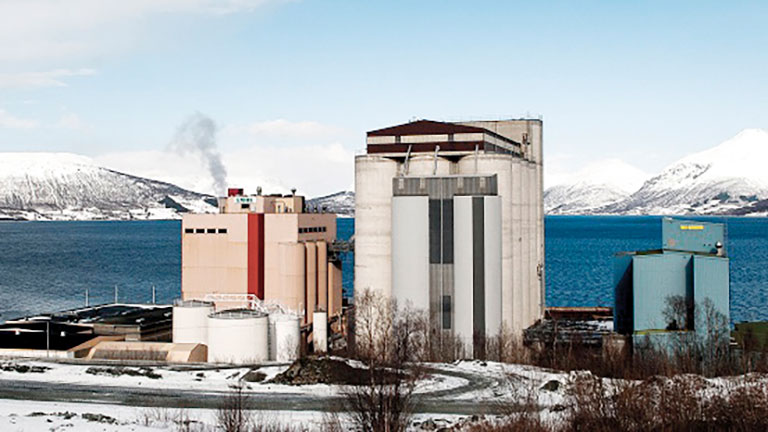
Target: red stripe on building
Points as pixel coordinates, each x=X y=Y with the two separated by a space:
x=256 y=254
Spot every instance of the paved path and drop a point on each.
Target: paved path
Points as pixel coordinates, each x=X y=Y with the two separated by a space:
x=441 y=401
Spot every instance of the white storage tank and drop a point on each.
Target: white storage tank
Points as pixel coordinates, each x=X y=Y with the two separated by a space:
x=320 y=332
x=284 y=337
x=190 y=321
x=238 y=336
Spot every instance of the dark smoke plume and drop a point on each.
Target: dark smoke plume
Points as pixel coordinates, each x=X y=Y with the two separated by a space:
x=197 y=135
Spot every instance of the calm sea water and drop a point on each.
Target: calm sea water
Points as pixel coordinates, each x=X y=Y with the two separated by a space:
x=47 y=266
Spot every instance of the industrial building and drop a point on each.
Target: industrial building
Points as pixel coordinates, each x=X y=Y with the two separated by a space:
x=254 y=275
x=265 y=248
x=691 y=266
x=449 y=219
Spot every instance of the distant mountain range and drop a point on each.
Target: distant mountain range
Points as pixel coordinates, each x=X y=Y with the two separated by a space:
x=341 y=203
x=729 y=179
x=62 y=186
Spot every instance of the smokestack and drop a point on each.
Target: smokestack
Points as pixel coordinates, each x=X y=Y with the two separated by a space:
x=197 y=135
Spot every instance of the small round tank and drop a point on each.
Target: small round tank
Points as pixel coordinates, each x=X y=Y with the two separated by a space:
x=238 y=336
x=284 y=337
x=320 y=332
x=190 y=321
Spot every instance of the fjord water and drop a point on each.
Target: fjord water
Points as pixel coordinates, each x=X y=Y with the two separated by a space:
x=47 y=266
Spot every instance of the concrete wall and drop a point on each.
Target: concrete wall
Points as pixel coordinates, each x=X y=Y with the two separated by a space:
x=410 y=251
x=477 y=290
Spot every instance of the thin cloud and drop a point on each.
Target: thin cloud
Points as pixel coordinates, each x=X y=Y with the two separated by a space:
x=55 y=30
x=52 y=78
x=9 y=121
x=285 y=129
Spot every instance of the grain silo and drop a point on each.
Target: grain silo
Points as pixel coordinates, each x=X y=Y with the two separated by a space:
x=238 y=336
x=407 y=239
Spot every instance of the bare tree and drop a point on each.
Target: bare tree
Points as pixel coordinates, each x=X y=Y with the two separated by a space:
x=388 y=341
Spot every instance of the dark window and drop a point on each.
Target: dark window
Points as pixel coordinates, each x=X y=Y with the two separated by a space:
x=446 y=312
x=189 y=230
x=211 y=230
x=245 y=206
x=200 y=231
x=301 y=230
x=434 y=231
x=325 y=229
x=447 y=231
x=222 y=230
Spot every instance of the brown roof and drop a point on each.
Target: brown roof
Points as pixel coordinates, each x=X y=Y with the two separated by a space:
x=426 y=127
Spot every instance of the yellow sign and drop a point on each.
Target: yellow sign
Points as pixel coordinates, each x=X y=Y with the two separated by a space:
x=692 y=227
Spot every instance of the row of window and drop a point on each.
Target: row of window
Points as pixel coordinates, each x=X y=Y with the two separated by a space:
x=313 y=230
x=205 y=230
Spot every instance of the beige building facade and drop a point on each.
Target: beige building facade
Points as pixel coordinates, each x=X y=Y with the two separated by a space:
x=262 y=247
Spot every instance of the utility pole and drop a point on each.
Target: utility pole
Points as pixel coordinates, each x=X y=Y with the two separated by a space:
x=115 y=294
x=153 y=294
x=86 y=297
x=48 y=338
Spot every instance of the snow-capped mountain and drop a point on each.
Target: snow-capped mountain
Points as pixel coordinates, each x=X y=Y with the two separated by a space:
x=597 y=185
x=63 y=186
x=729 y=178
x=341 y=203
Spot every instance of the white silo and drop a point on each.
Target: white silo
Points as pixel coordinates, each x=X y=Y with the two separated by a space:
x=284 y=337
x=238 y=336
x=504 y=166
x=320 y=332
x=373 y=223
x=427 y=165
x=190 y=321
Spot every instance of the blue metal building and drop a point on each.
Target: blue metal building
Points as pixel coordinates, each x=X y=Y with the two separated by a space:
x=687 y=275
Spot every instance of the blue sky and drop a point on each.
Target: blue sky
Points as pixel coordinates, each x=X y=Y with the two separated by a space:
x=294 y=85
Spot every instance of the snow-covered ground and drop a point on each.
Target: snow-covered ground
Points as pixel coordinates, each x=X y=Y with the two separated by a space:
x=208 y=380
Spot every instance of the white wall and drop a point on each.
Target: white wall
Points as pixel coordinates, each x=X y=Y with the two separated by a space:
x=410 y=251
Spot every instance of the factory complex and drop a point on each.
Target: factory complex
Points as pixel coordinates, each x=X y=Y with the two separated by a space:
x=449 y=222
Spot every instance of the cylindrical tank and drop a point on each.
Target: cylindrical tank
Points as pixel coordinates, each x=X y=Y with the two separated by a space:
x=284 y=337
x=373 y=223
x=238 y=336
x=424 y=165
x=504 y=166
x=190 y=321
x=320 y=332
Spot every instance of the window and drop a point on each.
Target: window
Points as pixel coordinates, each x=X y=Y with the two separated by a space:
x=301 y=230
x=245 y=206
x=188 y=230
x=211 y=230
x=324 y=229
x=222 y=230
x=199 y=231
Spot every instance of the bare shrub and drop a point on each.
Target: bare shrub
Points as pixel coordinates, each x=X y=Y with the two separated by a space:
x=681 y=403
x=233 y=414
